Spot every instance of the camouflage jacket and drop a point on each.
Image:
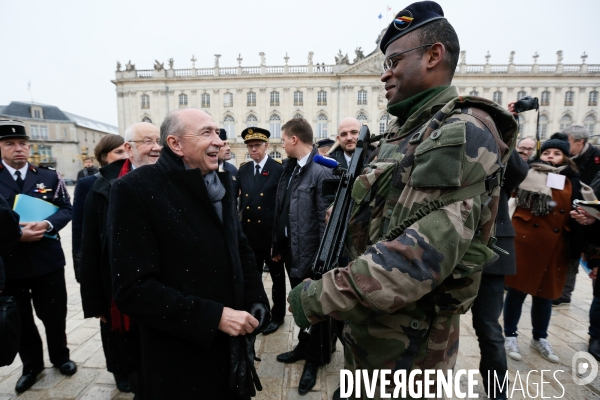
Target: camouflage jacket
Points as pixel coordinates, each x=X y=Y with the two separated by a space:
x=402 y=295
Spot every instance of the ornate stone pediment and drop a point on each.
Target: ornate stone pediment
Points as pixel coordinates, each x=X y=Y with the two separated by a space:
x=371 y=65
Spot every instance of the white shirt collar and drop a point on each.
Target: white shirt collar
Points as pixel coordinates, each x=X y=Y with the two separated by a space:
x=302 y=162
x=262 y=162
x=348 y=158
x=12 y=170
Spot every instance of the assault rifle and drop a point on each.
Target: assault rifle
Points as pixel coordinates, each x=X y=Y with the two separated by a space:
x=332 y=242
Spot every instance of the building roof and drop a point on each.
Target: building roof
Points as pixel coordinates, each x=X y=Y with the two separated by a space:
x=21 y=109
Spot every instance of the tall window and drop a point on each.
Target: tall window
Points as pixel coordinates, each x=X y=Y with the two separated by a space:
x=37 y=114
x=322 y=98
x=593 y=98
x=383 y=123
x=521 y=125
x=543 y=127
x=473 y=93
x=521 y=94
x=251 y=99
x=362 y=118
x=274 y=99
x=228 y=100
x=497 y=97
x=229 y=126
x=590 y=123
x=251 y=121
x=569 y=98
x=182 y=99
x=45 y=153
x=321 y=126
x=298 y=98
x=565 y=122
x=545 y=98
x=205 y=100
x=275 y=154
x=35 y=132
x=275 y=126
x=362 y=97
x=145 y=101
x=298 y=116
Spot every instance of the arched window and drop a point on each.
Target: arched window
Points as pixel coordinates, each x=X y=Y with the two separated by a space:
x=383 y=123
x=362 y=118
x=251 y=121
x=593 y=99
x=565 y=122
x=205 y=100
x=590 y=123
x=251 y=99
x=298 y=116
x=521 y=125
x=497 y=97
x=275 y=154
x=275 y=126
x=322 y=98
x=274 y=99
x=298 y=98
x=145 y=101
x=521 y=94
x=473 y=93
x=545 y=98
x=321 y=126
x=569 y=98
x=228 y=100
x=147 y=119
x=362 y=98
x=183 y=100
x=543 y=127
x=229 y=126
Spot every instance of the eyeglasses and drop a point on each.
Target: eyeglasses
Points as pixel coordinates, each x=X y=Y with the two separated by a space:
x=254 y=146
x=147 y=142
x=528 y=149
x=390 y=60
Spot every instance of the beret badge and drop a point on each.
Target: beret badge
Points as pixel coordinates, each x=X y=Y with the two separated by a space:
x=403 y=20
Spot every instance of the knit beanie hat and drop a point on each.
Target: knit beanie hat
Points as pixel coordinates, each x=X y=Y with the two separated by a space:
x=557 y=141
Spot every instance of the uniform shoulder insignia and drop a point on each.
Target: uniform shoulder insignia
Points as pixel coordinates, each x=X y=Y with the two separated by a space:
x=244 y=163
x=277 y=160
x=46 y=167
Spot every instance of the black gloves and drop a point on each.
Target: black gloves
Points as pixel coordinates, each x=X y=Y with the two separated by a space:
x=243 y=379
x=261 y=312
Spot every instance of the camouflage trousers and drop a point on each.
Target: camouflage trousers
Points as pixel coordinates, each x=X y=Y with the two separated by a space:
x=374 y=346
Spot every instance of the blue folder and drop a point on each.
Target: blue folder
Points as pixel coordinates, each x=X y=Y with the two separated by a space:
x=31 y=209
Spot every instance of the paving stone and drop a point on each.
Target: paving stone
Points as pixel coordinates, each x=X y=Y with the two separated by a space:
x=72 y=386
x=82 y=335
x=272 y=389
x=7 y=386
x=85 y=351
x=97 y=360
x=98 y=393
x=50 y=378
x=123 y=396
x=105 y=378
x=276 y=341
x=293 y=394
x=270 y=367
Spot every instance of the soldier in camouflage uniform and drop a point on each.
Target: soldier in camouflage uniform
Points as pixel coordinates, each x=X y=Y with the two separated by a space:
x=421 y=226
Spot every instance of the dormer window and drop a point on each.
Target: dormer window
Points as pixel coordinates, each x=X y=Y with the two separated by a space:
x=36 y=112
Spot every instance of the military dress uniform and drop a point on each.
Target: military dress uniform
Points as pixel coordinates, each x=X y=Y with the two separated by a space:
x=257 y=211
x=35 y=270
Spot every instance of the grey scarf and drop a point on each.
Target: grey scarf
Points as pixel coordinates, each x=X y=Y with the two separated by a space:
x=216 y=192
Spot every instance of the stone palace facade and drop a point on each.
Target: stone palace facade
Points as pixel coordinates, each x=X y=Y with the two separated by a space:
x=269 y=95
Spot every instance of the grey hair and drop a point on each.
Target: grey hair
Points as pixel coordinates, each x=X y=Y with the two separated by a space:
x=129 y=133
x=525 y=138
x=171 y=125
x=577 y=132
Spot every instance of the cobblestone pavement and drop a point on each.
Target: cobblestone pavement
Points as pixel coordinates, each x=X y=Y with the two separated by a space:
x=568 y=334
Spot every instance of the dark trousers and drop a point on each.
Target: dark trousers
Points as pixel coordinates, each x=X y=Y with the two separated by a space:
x=569 y=285
x=49 y=296
x=486 y=313
x=595 y=318
x=541 y=310
x=278 y=292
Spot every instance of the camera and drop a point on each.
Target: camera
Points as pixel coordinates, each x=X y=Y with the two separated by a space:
x=526 y=103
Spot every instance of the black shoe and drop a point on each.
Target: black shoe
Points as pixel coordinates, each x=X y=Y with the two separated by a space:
x=594 y=348
x=337 y=396
x=560 y=302
x=69 y=368
x=309 y=378
x=292 y=356
x=27 y=380
x=122 y=383
x=265 y=268
x=272 y=327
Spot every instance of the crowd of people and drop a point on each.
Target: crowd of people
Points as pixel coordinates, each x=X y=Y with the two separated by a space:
x=170 y=240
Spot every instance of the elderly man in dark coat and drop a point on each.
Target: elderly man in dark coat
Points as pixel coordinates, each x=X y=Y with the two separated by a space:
x=183 y=270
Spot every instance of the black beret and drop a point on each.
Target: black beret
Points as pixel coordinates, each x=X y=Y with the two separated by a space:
x=12 y=129
x=255 y=133
x=409 y=19
x=558 y=141
x=325 y=143
x=222 y=134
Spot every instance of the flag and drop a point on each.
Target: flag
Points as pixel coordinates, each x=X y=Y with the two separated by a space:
x=380 y=16
x=389 y=8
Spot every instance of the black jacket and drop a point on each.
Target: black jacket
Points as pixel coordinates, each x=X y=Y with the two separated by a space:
x=588 y=164
x=257 y=204
x=337 y=153
x=10 y=233
x=96 y=290
x=81 y=191
x=33 y=259
x=85 y=172
x=175 y=265
x=233 y=172
x=307 y=212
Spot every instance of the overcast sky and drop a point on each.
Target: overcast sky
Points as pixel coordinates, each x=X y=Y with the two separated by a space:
x=68 y=49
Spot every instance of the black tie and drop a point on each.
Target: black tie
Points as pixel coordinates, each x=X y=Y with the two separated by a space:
x=257 y=172
x=20 y=181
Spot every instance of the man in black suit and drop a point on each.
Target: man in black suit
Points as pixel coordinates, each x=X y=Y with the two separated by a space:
x=258 y=182
x=225 y=155
x=35 y=268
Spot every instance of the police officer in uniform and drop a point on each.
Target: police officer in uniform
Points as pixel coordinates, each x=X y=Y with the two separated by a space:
x=258 y=182
x=35 y=268
x=225 y=155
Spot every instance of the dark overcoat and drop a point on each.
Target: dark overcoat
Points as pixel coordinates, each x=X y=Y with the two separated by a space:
x=84 y=185
x=175 y=265
x=235 y=182
x=257 y=203
x=33 y=259
x=10 y=234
